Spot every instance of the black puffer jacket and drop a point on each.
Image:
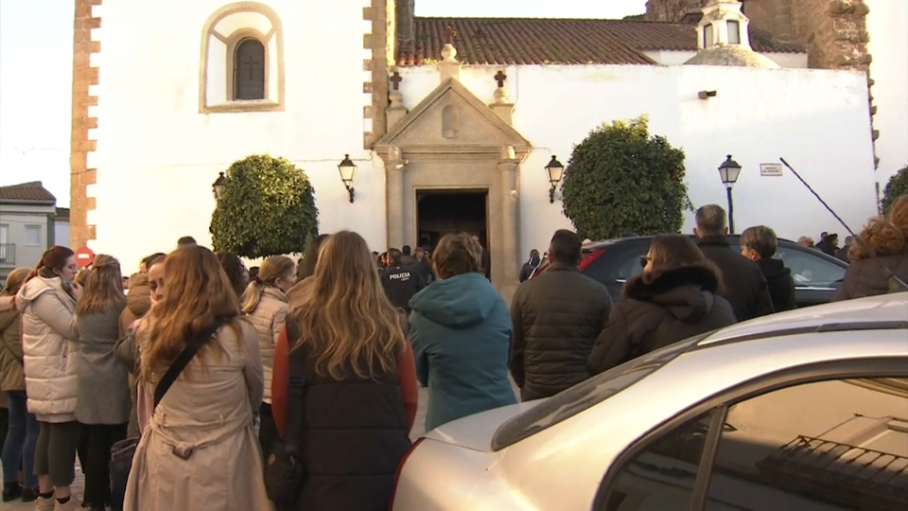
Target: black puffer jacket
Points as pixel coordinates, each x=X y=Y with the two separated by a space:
x=672 y=306
x=353 y=436
x=781 y=285
x=745 y=286
x=556 y=318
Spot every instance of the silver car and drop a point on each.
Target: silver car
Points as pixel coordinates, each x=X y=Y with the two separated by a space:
x=801 y=411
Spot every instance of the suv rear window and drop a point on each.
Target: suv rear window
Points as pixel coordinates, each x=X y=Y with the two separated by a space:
x=585 y=395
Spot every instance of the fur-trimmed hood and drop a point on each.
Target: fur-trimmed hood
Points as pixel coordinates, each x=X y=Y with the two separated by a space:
x=687 y=293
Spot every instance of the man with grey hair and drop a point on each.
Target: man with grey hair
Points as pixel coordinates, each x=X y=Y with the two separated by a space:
x=745 y=286
x=842 y=253
x=758 y=244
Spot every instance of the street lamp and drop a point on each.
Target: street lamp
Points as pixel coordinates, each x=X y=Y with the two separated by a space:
x=347 y=172
x=555 y=171
x=729 y=172
x=218 y=186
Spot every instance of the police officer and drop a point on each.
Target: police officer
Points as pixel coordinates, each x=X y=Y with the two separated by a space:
x=400 y=282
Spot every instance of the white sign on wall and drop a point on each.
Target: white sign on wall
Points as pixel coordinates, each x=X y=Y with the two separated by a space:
x=771 y=169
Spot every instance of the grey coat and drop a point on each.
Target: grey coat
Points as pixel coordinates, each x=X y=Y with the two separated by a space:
x=103 y=388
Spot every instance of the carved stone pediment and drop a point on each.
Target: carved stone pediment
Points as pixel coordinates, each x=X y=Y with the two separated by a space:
x=452 y=120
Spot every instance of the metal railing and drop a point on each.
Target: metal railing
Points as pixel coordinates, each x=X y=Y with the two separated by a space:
x=8 y=253
x=865 y=478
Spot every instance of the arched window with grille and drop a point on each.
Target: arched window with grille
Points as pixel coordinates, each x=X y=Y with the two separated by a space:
x=242 y=66
x=249 y=70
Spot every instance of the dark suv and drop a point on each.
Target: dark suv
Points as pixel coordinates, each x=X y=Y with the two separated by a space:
x=816 y=275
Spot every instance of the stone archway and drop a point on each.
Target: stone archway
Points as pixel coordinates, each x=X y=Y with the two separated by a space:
x=453 y=141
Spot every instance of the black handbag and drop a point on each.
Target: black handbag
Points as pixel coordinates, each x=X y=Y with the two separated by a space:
x=122 y=452
x=284 y=470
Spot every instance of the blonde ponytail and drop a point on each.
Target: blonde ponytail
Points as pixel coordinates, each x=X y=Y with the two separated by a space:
x=273 y=268
x=252 y=296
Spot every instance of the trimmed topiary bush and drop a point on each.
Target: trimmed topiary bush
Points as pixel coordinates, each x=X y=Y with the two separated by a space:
x=621 y=179
x=267 y=207
x=895 y=188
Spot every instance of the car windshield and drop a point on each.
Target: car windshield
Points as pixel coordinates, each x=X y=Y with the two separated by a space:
x=587 y=394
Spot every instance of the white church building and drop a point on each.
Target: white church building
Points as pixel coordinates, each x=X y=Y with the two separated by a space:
x=450 y=121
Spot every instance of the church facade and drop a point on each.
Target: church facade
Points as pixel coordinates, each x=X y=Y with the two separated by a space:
x=450 y=121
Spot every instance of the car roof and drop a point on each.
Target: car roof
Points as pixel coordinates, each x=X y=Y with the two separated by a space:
x=875 y=310
x=593 y=245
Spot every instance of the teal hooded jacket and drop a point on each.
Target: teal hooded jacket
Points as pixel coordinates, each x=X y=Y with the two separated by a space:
x=461 y=330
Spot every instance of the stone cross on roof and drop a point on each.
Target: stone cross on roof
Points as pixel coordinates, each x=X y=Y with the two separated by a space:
x=500 y=77
x=396 y=79
x=450 y=35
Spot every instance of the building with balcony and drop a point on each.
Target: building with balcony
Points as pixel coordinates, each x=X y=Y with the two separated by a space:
x=27 y=225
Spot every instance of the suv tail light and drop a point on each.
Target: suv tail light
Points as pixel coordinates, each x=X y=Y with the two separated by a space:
x=400 y=468
x=588 y=260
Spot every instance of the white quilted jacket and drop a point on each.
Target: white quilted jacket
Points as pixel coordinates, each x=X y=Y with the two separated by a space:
x=268 y=319
x=50 y=345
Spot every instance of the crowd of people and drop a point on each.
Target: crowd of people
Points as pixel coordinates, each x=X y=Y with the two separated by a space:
x=330 y=350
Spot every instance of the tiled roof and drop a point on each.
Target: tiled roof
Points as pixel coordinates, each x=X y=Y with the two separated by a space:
x=62 y=214
x=528 y=41
x=32 y=191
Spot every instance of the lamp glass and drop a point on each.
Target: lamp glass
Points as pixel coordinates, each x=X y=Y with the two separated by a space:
x=555 y=171
x=729 y=171
x=347 y=170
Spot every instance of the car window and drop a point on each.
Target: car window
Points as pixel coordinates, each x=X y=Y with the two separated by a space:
x=587 y=394
x=810 y=270
x=662 y=476
x=627 y=263
x=831 y=445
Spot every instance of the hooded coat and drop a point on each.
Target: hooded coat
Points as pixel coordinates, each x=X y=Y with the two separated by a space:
x=51 y=350
x=658 y=310
x=461 y=335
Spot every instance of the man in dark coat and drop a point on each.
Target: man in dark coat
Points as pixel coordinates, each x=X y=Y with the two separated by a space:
x=530 y=266
x=400 y=282
x=423 y=266
x=557 y=317
x=745 y=286
x=759 y=244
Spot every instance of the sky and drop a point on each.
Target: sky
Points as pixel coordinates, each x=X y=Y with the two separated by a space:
x=36 y=74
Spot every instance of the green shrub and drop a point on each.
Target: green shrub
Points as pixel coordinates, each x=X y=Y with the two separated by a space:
x=621 y=179
x=895 y=188
x=267 y=207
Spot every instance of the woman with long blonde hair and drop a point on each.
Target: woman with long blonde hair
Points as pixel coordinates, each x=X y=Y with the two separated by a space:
x=102 y=398
x=265 y=304
x=359 y=393
x=199 y=450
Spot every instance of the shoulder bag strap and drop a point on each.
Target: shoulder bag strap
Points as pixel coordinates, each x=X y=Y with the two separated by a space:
x=295 y=401
x=192 y=347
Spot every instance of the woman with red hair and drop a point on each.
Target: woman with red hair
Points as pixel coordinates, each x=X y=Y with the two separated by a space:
x=870 y=273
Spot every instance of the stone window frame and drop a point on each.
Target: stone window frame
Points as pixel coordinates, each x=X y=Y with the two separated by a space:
x=231 y=42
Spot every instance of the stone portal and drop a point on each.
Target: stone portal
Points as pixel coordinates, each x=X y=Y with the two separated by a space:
x=445 y=158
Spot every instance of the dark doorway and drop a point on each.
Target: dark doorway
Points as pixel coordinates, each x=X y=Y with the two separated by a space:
x=451 y=212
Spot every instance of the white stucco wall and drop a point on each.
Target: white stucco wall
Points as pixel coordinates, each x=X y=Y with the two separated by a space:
x=888 y=27
x=61 y=232
x=157 y=156
x=816 y=119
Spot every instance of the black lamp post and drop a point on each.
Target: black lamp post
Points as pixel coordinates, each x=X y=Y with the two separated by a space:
x=555 y=171
x=729 y=172
x=218 y=186
x=347 y=172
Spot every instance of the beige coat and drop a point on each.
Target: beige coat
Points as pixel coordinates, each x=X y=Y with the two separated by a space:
x=268 y=318
x=207 y=417
x=51 y=348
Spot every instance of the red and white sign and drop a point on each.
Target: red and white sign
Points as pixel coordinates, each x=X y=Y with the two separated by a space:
x=84 y=256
